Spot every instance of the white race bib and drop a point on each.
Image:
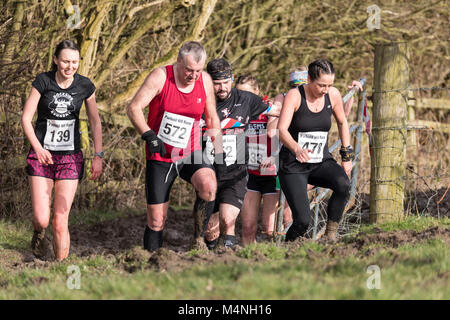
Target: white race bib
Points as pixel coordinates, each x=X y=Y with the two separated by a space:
x=229 y=148
x=60 y=135
x=256 y=152
x=175 y=129
x=314 y=141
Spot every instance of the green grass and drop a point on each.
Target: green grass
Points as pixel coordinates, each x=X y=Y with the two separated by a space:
x=419 y=271
x=415 y=223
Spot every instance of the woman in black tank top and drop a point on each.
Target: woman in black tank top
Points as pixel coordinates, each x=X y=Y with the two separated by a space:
x=305 y=121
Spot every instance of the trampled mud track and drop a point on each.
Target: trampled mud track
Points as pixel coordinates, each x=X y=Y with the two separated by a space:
x=120 y=241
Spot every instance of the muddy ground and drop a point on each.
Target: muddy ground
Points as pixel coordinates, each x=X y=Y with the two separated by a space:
x=120 y=241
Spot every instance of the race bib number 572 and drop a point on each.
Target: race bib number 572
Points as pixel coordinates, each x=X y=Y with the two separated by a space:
x=175 y=129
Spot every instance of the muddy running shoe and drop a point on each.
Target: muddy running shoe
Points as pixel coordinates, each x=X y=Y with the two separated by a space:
x=198 y=244
x=229 y=241
x=39 y=244
x=331 y=231
x=212 y=244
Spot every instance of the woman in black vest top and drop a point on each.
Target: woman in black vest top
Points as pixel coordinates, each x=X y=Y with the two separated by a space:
x=304 y=124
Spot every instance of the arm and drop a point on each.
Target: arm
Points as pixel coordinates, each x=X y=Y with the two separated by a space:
x=211 y=117
x=96 y=127
x=272 y=133
x=275 y=109
x=349 y=103
x=44 y=156
x=273 y=120
x=290 y=104
x=151 y=87
x=341 y=120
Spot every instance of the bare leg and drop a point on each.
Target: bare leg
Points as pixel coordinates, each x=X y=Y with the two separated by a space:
x=268 y=213
x=249 y=217
x=64 y=194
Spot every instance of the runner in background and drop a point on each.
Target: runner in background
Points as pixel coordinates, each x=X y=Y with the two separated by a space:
x=262 y=173
x=235 y=108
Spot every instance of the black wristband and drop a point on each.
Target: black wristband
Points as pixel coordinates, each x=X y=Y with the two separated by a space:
x=347 y=153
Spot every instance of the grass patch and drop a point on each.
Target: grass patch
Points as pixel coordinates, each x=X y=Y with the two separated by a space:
x=415 y=223
x=310 y=270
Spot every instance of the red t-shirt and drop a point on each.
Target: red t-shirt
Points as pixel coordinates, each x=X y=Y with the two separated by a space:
x=259 y=145
x=175 y=116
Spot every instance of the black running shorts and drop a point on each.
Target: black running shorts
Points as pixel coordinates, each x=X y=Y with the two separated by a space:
x=262 y=184
x=231 y=192
x=160 y=175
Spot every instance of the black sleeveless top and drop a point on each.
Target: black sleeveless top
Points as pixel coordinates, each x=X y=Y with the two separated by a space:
x=313 y=128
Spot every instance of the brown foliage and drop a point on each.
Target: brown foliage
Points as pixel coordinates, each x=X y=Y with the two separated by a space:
x=123 y=40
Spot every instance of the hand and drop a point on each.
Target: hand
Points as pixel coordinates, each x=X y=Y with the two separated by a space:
x=347 y=165
x=96 y=168
x=275 y=109
x=356 y=84
x=155 y=144
x=302 y=154
x=267 y=162
x=44 y=156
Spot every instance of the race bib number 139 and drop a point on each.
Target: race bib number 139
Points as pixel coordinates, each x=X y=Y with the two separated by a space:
x=59 y=135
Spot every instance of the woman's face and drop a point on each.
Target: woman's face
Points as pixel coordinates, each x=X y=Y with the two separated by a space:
x=67 y=62
x=322 y=85
x=247 y=87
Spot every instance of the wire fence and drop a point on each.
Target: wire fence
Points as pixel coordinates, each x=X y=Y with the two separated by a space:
x=426 y=181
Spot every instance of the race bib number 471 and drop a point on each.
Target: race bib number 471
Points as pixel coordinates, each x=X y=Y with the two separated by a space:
x=175 y=130
x=314 y=141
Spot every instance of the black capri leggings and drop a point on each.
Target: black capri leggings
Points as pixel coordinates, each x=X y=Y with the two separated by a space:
x=327 y=174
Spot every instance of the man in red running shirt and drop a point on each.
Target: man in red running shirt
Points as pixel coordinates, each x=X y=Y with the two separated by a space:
x=177 y=96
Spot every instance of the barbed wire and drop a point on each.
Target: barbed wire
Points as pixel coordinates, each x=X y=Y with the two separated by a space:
x=411 y=89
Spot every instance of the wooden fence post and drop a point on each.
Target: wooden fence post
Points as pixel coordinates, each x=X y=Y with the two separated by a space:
x=388 y=165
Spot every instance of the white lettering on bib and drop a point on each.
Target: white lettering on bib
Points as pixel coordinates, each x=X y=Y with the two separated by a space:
x=229 y=148
x=175 y=129
x=60 y=135
x=314 y=141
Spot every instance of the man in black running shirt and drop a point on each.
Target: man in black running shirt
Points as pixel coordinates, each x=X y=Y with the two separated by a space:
x=235 y=109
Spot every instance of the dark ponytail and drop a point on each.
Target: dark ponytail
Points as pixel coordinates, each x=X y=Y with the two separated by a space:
x=66 y=44
x=316 y=68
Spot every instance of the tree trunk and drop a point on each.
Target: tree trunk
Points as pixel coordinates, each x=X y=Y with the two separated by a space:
x=14 y=39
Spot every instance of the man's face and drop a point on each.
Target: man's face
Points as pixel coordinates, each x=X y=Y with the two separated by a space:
x=222 y=88
x=189 y=70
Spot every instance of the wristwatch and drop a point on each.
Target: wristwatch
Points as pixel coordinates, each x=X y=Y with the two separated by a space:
x=100 y=154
